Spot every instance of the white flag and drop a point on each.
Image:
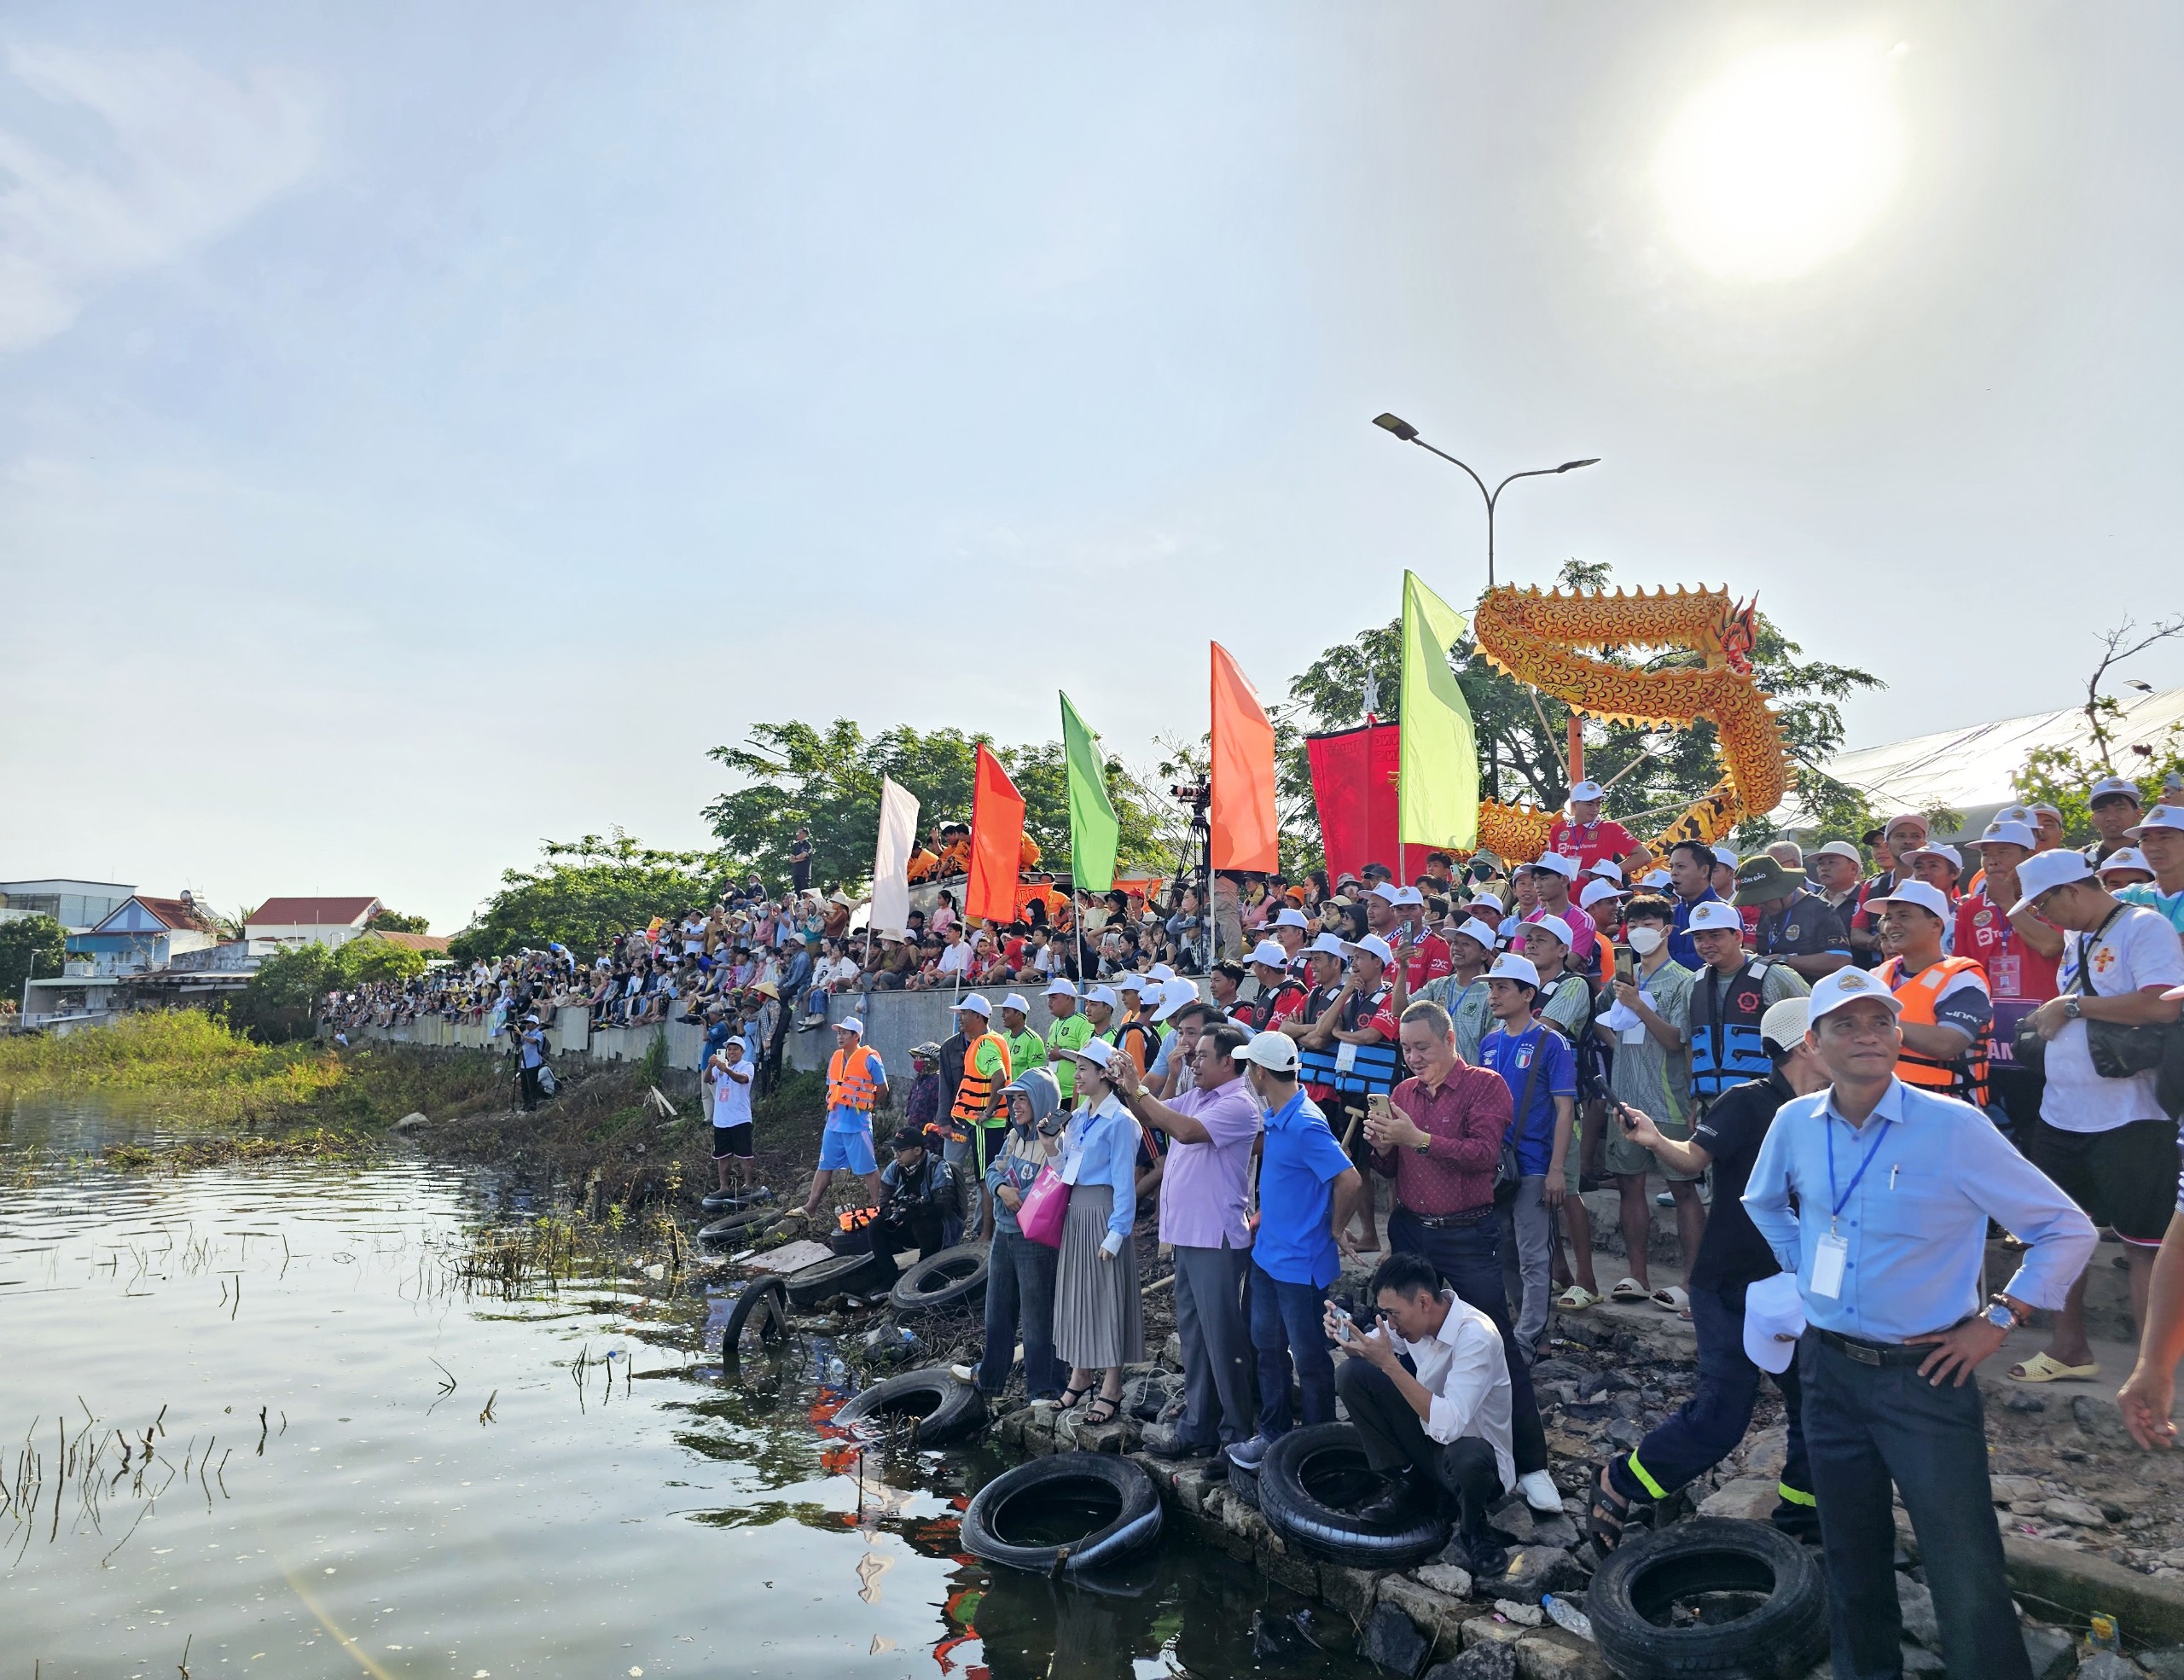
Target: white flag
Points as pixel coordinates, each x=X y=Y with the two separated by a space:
x=891 y=859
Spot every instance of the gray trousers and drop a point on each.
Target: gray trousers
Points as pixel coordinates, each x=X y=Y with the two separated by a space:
x=1216 y=1339
x=1528 y=1231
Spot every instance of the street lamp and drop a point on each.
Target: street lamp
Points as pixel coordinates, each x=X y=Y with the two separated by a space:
x=1408 y=434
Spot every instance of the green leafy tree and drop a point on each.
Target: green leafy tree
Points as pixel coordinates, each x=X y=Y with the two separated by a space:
x=29 y=942
x=368 y=961
x=2059 y=776
x=280 y=1001
x=829 y=780
x=587 y=890
x=398 y=921
x=1523 y=733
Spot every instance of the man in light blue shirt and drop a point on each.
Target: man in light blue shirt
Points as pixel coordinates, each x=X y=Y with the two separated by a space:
x=1894 y=1187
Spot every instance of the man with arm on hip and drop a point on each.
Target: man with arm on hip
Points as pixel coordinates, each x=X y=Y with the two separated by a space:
x=1894 y=1186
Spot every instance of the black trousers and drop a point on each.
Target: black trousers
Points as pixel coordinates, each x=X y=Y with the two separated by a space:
x=1396 y=1439
x=1865 y=1426
x=531 y=1093
x=893 y=1232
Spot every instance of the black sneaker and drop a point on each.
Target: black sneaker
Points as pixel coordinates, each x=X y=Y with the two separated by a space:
x=1487 y=1556
x=1391 y=1505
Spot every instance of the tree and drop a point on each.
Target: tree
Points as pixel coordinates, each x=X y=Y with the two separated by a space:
x=2059 y=776
x=1522 y=733
x=28 y=941
x=397 y=922
x=280 y=1001
x=588 y=891
x=829 y=780
x=368 y=961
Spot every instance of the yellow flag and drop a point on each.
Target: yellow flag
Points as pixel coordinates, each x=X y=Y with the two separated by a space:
x=1437 y=785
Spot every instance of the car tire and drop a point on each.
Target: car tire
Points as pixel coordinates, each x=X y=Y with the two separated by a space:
x=1117 y=1500
x=840 y=1275
x=954 y=1277
x=1307 y=1479
x=945 y=1411
x=733 y=1224
x=1780 y=1637
x=766 y=1300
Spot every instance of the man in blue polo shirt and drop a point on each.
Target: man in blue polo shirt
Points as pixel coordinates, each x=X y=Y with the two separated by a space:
x=1307 y=1188
x=1691 y=877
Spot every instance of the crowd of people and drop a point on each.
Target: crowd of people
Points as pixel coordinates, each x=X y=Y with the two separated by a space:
x=1846 y=1069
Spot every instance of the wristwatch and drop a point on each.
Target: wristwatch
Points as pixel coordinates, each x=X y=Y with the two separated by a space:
x=2073 y=1007
x=2001 y=1317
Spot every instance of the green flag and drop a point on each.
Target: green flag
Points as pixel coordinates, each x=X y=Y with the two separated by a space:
x=1438 y=783
x=1093 y=829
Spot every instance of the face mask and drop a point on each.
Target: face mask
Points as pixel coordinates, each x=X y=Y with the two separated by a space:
x=1644 y=940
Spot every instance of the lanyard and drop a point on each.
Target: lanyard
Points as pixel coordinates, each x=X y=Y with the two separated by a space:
x=1843 y=1199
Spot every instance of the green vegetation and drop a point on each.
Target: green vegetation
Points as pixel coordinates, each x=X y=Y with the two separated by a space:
x=26 y=941
x=397 y=922
x=280 y=1001
x=2059 y=776
x=586 y=893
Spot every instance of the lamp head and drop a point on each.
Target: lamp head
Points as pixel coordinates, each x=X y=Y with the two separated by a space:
x=1395 y=423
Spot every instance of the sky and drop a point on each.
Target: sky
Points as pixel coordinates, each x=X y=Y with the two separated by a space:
x=425 y=430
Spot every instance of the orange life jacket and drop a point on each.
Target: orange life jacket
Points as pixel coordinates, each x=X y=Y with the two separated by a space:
x=971 y=1095
x=1963 y=1076
x=849 y=1083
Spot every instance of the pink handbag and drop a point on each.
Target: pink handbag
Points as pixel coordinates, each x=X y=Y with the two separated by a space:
x=1044 y=1209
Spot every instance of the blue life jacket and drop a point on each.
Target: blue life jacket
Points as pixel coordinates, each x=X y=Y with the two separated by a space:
x=1373 y=1068
x=1725 y=1044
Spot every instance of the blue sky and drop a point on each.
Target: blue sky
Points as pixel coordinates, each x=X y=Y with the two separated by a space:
x=427 y=429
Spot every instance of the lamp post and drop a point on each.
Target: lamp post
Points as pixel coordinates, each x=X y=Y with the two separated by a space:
x=1403 y=429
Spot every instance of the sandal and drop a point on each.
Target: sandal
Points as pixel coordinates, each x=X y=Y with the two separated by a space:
x=1670 y=1298
x=1630 y=1289
x=1071 y=1398
x=1113 y=1403
x=2041 y=1368
x=1576 y=1298
x=1607 y=1511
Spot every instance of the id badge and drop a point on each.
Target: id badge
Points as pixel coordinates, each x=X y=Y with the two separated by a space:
x=2006 y=972
x=1828 y=1260
x=1346 y=1058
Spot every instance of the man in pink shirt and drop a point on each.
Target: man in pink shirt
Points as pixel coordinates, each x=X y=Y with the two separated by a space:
x=1552 y=875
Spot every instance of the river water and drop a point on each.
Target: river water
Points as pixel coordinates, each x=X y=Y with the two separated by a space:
x=360 y=1465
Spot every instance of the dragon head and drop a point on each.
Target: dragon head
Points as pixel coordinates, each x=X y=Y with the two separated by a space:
x=1739 y=636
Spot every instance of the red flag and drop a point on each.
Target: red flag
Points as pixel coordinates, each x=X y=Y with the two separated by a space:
x=1354 y=786
x=1245 y=836
x=997 y=843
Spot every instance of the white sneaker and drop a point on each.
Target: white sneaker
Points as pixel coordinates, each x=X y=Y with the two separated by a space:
x=969 y=1374
x=1540 y=1491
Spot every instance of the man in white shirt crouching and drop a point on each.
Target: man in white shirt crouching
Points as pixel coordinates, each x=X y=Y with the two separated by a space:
x=1443 y=1432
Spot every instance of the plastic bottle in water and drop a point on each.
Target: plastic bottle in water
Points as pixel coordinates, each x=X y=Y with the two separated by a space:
x=837 y=1372
x=2104 y=1636
x=1567 y=1616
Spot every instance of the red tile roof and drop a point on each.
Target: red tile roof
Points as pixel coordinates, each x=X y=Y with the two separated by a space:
x=310 y=912
x=173 y=912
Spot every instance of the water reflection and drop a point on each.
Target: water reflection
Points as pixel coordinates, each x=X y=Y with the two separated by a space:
x=267 y=1413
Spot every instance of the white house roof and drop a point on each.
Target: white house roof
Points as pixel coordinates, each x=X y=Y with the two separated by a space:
x=1969 y=770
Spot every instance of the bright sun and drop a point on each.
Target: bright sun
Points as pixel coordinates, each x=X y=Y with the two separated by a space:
x=1784 y=159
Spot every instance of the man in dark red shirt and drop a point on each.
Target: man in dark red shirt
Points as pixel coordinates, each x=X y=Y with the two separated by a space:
x=1585 y=836
x=1441 y=1142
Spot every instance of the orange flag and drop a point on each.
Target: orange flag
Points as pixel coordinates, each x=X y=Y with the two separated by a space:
x=1244 y=832
x=997 y=842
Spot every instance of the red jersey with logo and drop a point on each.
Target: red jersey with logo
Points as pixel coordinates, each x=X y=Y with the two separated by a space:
x=1430 y=962
x=2019 y=979
x=1589 y=842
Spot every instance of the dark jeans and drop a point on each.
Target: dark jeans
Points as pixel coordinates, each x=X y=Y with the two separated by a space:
x=1217 y=1344
x=1865 y=1425
x=530 y=1092
x=1395 y=1438
x=1021 y=1299
x=1286 y=1321
x=1703 y=1430
x=1469 y=1257
x=922 y=1230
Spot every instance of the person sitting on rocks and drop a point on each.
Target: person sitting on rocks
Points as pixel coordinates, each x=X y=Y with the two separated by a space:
x=917 y=1197
x=1440 y=1428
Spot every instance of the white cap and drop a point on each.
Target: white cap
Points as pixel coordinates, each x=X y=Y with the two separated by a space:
x=2125 y=857
x=1556 y=864
x=1103 y=994
x=1727 y=854
x=1841 y=849
x=1015 y=1001
x=1785 y=1022
x=2011 y=832
x=1488 y=900
x=1374 y=945
x=1094 y=1053
x=1270 y=953
x=1551 y=924
x=1773 y=1319
x=1161 y=971
x=1848 y=986
x=1948 y=854
x=1903 y=816
x=1136 y=983
x=1277 y=1052
x=1926 y=896
x=1595 y=891
x=1329 y=945
x=1588 y=790
x=2044 y=871
x=2161 y=816
x=1607 y=869
x=975 y=1001
x=1715 y=917
x=1389 y=893
x=1661 y=878
x=2046 y=810
x=1059 y=987
x=2112 y=784
x=1511 y=967
x=1410 y=895
x=1290 y=916
x=1175 y=995
x=850 y=1024
x=1488 y=937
